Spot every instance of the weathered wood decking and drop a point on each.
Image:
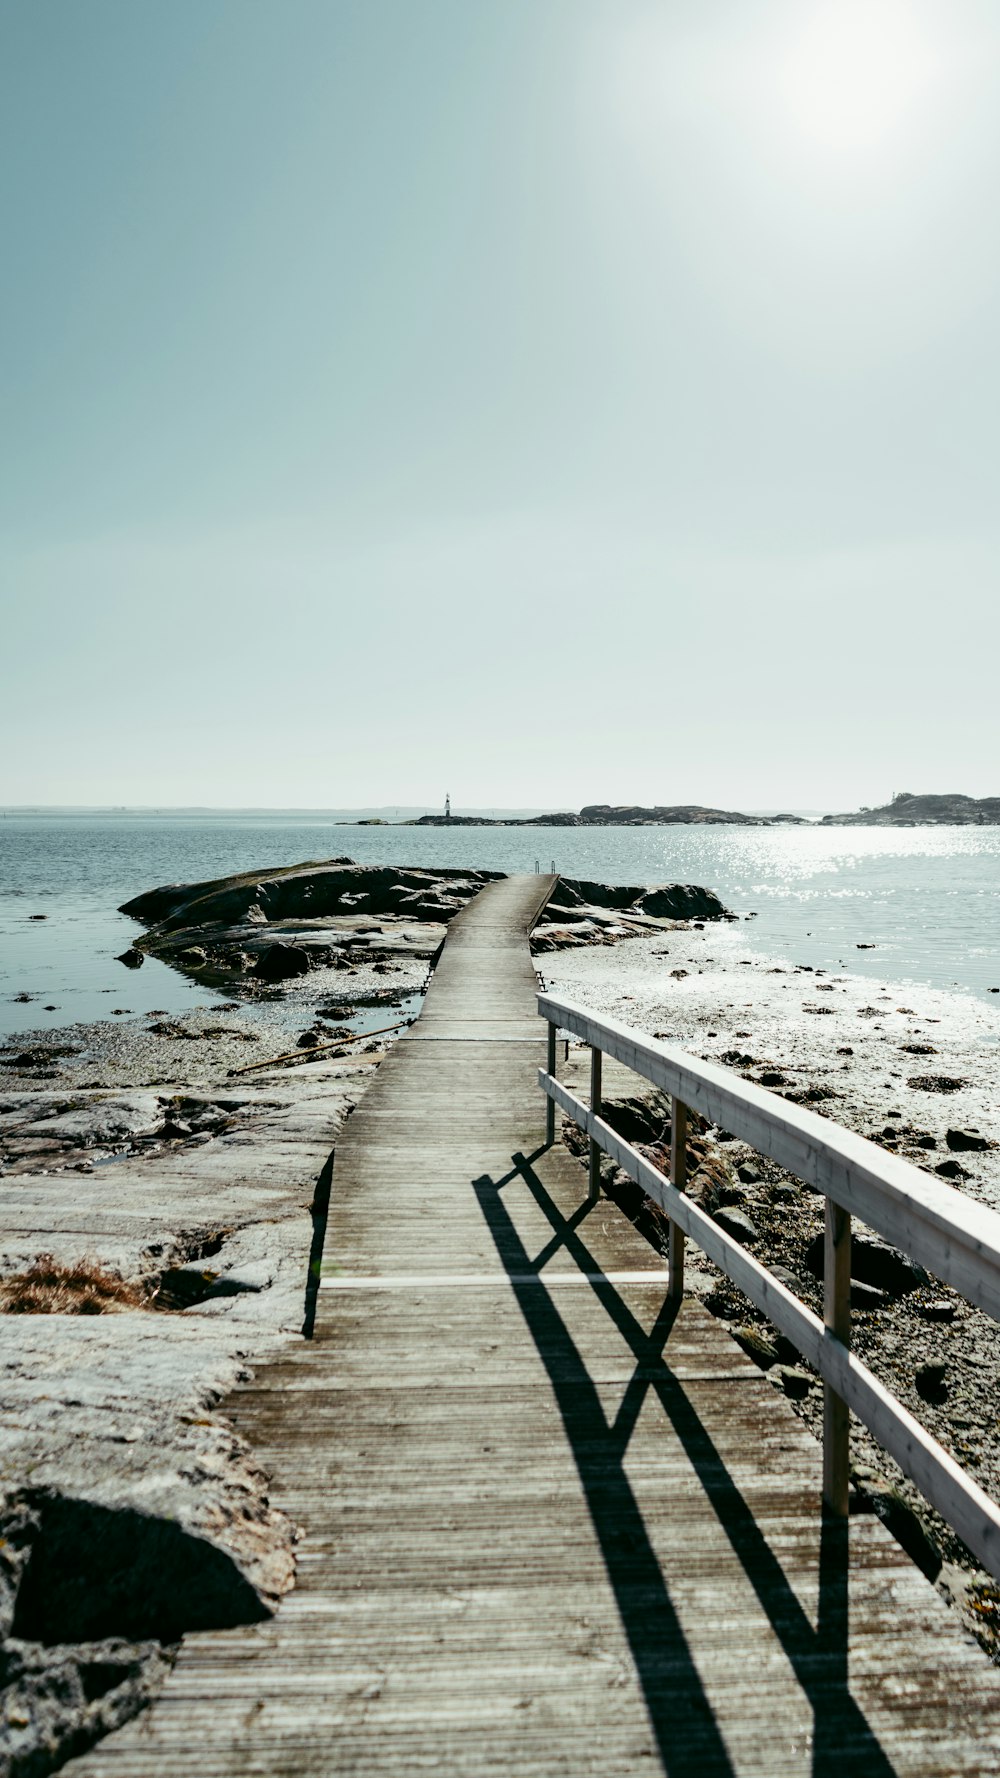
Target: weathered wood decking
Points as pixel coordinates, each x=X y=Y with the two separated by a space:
x=546 y=1529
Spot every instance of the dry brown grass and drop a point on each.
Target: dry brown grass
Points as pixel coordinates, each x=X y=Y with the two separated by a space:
x=86 y=1288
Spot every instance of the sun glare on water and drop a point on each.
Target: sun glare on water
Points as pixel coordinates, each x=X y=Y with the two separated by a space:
x=852 y=73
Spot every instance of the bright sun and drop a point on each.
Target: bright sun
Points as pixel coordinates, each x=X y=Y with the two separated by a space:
x=854 y=71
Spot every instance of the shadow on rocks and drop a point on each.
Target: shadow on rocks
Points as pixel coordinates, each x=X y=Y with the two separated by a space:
x=91 y=1599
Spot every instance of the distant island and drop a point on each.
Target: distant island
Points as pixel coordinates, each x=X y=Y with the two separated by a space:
x=615 y=815
x=904 y=810
x=907 y=810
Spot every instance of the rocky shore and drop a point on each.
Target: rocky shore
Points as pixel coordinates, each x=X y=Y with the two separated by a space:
x=163 y=1198
x=914 y=1069
x=157 y=1246
x=164 y=1202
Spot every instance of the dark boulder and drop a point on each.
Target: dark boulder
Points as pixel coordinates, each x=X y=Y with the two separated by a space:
x=795 y=1382
x=680 y=901
x=968 y=1141
x=663 y=901
x=280 y=962
x=738 y=1224
x=865 y=1296
x=873 y=1262
x=132 y=958
x=952 y=1169
x=788 y=1279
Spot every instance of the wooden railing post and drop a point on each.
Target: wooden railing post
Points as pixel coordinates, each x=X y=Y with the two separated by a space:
x=595 y=1106
x=550 y=1107
x=678 y=1177
x=837 y=1317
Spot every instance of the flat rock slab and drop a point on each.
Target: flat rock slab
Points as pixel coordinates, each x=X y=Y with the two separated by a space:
x=130 y=1511
x=141 y=1211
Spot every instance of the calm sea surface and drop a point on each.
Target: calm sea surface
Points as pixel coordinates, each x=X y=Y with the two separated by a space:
x=927 y=898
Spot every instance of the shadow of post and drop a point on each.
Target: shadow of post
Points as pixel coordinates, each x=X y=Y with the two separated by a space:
x=319 y=1210
x=687 y=1735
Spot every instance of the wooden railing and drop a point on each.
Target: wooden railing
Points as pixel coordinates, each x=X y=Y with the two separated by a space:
x=955 y=1238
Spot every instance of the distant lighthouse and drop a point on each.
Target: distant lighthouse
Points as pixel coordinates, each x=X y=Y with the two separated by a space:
x=447 y=806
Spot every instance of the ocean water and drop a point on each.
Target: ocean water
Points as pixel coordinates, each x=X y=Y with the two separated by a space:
x=927 y=899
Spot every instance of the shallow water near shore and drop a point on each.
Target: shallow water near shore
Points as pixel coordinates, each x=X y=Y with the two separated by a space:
x=927 y=900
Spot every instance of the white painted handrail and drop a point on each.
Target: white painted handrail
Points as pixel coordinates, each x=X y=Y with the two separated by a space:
x=951 y=1235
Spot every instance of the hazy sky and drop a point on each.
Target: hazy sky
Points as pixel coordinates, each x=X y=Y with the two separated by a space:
x=545 y=400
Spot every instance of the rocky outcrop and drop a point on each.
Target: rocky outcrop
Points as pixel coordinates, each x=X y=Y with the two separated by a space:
x=616 y=815
x=906 y=810
x=564 y=819
x=686 y=814
x=262 y=930
x=268 y=927
x=308 y=892
x=584 y=913
x=661 y=901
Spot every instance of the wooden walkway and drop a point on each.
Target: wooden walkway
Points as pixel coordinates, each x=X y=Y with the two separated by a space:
x=546 y=1530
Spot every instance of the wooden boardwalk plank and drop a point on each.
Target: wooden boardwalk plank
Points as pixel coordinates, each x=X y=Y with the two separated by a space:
x=547 y=1528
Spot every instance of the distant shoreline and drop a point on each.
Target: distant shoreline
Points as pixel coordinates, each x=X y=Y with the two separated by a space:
x=904 y=810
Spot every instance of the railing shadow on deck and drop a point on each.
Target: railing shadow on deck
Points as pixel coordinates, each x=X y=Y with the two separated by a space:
x=688 y=1738
x=319 y=1211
